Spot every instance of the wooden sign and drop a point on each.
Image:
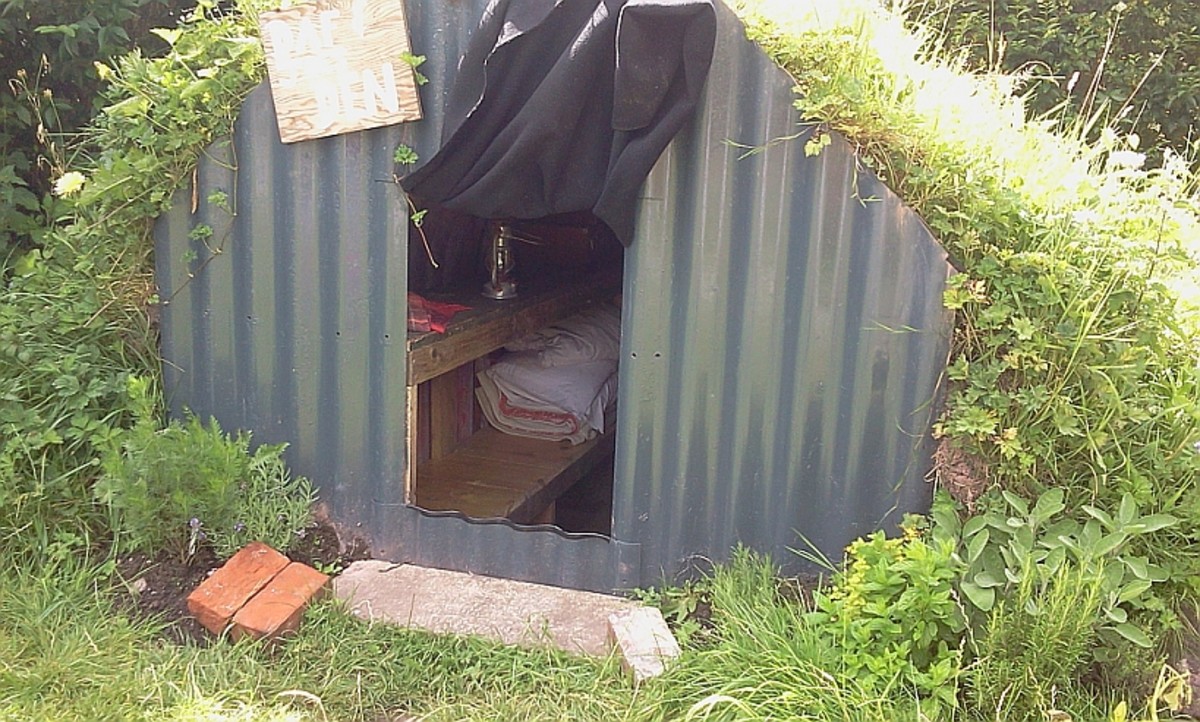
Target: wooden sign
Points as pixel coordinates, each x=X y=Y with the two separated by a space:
x=338 y=66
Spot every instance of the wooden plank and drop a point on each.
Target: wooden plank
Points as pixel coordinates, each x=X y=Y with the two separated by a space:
x=546 y=516
x=464 y=403
x=491 y=324
x=557 y=485
x=336 y=66
x=410 y=467
x=475 y=501
x=443 y=415
x=494 y=475
x=422 y=417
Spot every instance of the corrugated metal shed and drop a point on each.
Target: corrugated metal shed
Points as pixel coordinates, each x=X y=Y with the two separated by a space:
x=783 y=332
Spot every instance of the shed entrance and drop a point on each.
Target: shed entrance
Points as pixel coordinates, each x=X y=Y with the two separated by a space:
x=555 y=108
x=511 y=401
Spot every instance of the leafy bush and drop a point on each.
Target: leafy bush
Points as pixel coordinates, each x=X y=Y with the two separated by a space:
x=1077 y=586
x=47 y=51
x=893 y=615
x=1006 y=547
x=1138 y=63
x=176 y=487
x=76 y=316
x=1074 y=361
x=64 y=366
x=1034 y=645
x=769 y=658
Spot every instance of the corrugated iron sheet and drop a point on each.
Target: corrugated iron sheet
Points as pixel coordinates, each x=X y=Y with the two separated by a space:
x=783 y=332
x=784 y=341
x=289 y=320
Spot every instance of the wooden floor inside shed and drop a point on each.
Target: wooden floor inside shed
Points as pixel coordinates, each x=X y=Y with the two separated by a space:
x=495 y=475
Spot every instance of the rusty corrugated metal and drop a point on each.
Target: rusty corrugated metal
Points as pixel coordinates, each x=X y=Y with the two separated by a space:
x=783 y=332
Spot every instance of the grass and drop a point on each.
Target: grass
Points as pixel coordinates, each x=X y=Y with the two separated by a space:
x=65 y=655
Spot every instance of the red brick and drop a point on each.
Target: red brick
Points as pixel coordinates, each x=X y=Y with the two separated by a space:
x=220 y=596
x=277 y=609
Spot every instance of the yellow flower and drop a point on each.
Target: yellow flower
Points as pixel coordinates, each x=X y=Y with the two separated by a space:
x=69 y=184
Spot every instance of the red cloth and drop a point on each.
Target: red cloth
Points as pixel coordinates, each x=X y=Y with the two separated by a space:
x=426 y=315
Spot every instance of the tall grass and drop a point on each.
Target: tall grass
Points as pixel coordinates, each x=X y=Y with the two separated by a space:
x=67 y=654
x=769 y=661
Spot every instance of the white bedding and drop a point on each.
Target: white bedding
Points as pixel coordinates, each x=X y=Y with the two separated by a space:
x=556 y=383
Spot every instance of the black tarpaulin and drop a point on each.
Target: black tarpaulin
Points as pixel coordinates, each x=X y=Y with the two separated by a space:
x=565 y=106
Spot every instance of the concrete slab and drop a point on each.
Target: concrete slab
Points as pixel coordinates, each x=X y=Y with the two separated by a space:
x=502 y=609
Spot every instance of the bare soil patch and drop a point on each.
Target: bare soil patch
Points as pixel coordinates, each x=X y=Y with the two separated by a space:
x=156 y=587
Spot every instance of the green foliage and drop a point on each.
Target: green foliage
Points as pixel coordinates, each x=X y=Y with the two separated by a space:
x=892 y=614
x=176 y=487
x=76 y=316
x=1074 y=360
x=47 y=51
x=64 y=365
x=1015 y=544
x=404 y=155
x=1137 y=63
x=1035 y=569
x=682 y=607
x=1034 y=646
x=769 y=658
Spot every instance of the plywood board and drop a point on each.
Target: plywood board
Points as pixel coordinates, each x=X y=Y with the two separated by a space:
x=494 y=475
x=337 y=66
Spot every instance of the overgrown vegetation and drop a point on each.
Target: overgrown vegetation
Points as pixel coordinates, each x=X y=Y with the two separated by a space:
x=47 y=54
x=1075 y=375
x=76 y=324
x=188 y=484
x=1134 y=66
x=1072 y=420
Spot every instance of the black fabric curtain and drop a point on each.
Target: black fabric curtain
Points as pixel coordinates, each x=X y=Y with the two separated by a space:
x=565 y=106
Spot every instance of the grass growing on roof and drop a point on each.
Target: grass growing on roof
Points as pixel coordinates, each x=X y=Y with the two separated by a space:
x=1076 y=361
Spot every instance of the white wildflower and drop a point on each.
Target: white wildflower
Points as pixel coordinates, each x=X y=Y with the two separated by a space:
x=69 y=184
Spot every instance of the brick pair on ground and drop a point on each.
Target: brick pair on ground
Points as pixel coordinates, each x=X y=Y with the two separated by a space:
x=258 y=593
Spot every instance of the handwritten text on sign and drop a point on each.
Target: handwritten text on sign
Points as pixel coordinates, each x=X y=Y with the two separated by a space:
x=336 y=66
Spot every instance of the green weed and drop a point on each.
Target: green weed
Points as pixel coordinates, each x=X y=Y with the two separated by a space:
x=1074 y=361
x=1035 y=645
x=176 y=487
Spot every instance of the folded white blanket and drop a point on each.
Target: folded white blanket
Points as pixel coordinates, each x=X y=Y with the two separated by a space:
x=593 y=334
x=519 y=396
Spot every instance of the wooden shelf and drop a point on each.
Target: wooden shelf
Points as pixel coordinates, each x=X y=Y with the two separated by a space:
x=489 y=474
x=491 y=324
x=494 y=475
